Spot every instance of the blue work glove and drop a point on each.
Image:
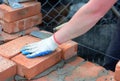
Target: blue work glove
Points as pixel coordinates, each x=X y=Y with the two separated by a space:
x=41 y=48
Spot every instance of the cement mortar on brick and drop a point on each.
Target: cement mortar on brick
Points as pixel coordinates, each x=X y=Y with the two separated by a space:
x=103 y=73
x=46 y=72
x=64 y=72
x=53 y=68
x=64 y=69
x=58 y=68
x=83 y=79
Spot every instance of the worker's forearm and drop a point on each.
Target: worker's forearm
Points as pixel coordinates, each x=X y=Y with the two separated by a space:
x=81 y=22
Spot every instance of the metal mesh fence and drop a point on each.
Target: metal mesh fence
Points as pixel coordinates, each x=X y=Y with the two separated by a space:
x=55 y=12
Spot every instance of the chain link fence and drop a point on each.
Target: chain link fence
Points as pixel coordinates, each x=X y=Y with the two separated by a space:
x=54 y=12
x=57 y=12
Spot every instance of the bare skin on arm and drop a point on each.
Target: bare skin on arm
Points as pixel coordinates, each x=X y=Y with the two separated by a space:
x=85 y=18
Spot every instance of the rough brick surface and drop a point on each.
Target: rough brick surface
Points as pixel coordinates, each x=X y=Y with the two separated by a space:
x=61 y=73
x=117 y=71
x=85 y=71
x=69 y=49
x=7 y=37
x=30 y=8
x=13 y=47
x=22 y=24
x=7 y=68
x=79 y=70
x=31 y=67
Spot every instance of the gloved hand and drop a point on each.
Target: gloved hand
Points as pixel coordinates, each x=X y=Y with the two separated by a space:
x=41 y=48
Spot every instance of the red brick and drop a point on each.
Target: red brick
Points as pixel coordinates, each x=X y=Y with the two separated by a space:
x=87 y=70
x=29 y=23
x=10 y=27
x=13 y=47
x=69 y=49
x=22 y=24
x=19 y=24
x=117 y=71
x=109 y=77
x=30 y=8
x=8 y=37
x=32 y=67
x=7 y=68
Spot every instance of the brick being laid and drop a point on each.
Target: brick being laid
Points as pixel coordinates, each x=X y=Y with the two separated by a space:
x=29 y=68
x=10 y=15
x=7 y=68
x=20 y=25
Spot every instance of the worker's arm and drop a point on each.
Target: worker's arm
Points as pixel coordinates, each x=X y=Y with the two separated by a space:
x=81 y=22
x=84 y=19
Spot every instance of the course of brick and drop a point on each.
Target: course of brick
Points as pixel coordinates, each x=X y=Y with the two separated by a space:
x=16 y=20
x=75 y=69
x=7 y=37
x=10 y=15
x=22 y=24
x=79 y=70
x=29 y=68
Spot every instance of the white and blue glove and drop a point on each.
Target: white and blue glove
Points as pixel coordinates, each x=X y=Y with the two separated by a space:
x=41 y=48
